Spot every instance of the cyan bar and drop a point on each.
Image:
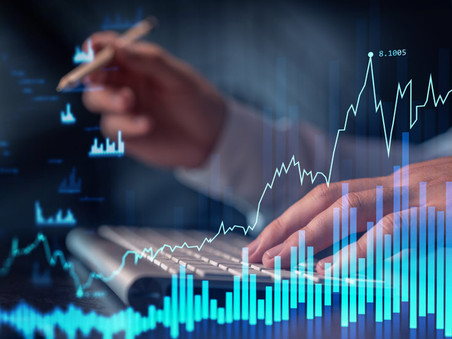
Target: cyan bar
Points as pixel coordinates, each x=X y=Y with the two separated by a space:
x=245 y=300
x=198 y=308
x=213 y=309
x=285 y=300
x=328 y=284
x=174 y=331
x=413 y=267
x=440 y=271
x=236 y=297
x=166 y=311
x=336 y=247
x=344 y=259
x=405 y=213
x=310 y=283
x=301 y=267
x=396 y=241
x=190 y=323
x=361 y=287
x=387 y=278
x=205 y=299
x=370 y=262
x=260 y=309
x=182 y=293
x=228 y=308
x=379 y=255
x=448 y=263
x=253 y=315
x=318 y=300
x=353 y=285
x=431 y=261
x=277 y=284
x=268 y=306
x=293 y=277
x=220 y=315
x=152 y=316
x=422 y=249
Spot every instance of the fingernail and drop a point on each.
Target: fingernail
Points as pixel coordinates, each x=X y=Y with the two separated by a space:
x=274 y=251
x=253 y=246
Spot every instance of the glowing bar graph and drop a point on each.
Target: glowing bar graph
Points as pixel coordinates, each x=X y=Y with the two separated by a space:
x=448 y=263
x=379 y=254
x=268 y=306
x=370 y=262
x=353 y=283
x=285 y=300
x=253 y=301
x=387 y=277
x=174 y=307
x=336 y=246
x=318 y=300
x=245 y=300
x=205 y=299
x=293 y=277
x=301 y=267
x=71 y=184
x=58 y=220
x=431 y=261
x=277 y=289
x=361 y=287
x=345 y=258
x=413 y=267
x=182 y=294
x=396 y=240
x=190 y=325
x=422 y=264
x=81 y=56
x=328 y=284
x=310 y=283
x=236 y=297
x=405 y=213
x=440 y=271
x=66 y=117
x=110 y=149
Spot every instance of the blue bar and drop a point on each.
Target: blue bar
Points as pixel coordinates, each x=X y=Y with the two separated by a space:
x=205 y=299
x=370 y=262
x=268 y=306
x=353 y=310
x=236 y=297
x=293 y=277
x=285 y=300
x=198 y=308
x=228 y=308
x=422 y=249
x=448 y=263
x=387 y=278
x=318 y=300
x=190 y=324
x=336 y=247
x=413 y=267
x=310 y=283
x=182 y=293
x=301 y=267
x=431 y=261
x=220 y=315
x=396 y=241
x=152 y=317
x=327 y=284
x=213 y=309
x=361 y=287
x=277 y=284
x=379 y=255
x=344 y=259
x=245 y=300
x=174 y=331
x=440 y=271
x=405 y=212
x=253 y=315
x=260 y=309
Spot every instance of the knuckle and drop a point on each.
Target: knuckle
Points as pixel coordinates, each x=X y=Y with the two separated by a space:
x=353 y=199
x=321 y=191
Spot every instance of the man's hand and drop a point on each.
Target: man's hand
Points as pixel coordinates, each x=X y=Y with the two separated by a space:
x=314 y=212
x=168 y=114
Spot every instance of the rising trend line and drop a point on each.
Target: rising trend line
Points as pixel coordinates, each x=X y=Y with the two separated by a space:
x=52 y=258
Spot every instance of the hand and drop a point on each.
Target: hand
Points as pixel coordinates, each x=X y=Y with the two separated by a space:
x=314 y=212
x=168 y=114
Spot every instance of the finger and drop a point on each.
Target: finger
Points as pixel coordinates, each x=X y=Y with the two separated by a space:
x=131 y=126
x=319 y=231
x=111 y=100
x=302 y=212
x=368 y=241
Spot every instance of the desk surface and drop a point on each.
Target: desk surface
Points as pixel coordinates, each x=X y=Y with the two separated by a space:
x=44 y=295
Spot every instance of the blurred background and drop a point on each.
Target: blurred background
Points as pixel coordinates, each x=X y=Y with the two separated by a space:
x=270 y=55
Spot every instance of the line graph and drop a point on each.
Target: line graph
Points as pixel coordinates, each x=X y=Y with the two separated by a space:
x=369 y=80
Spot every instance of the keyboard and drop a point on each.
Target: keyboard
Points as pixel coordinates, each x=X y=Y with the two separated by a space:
x=147 y=280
